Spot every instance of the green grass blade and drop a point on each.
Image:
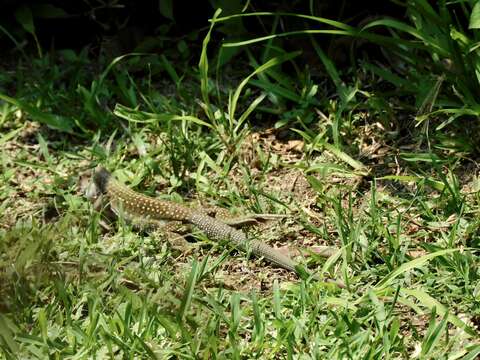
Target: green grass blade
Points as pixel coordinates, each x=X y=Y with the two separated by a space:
x=318 y=19
x=188 y=293
x=270 y=63
x=282 y=35
x=203 y=66
x=388 y=75
x=7 y=335
x=137 y=116
x=11 y=134
x=433 y=334
x=438 y=185
x=253 y=105
x=276 y=90
x=473 y=353
x=398 y=25
x=169 y=68
x=55 y=121
x=442 y=310
x=258 y=322
x=357 y=165
x=277 y=303
x=415 y=263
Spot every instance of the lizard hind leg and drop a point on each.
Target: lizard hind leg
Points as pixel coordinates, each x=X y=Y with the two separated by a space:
x=238 y=221
x=174 y=232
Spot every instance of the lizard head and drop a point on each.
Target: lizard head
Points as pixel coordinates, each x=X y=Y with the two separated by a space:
x=101 y=177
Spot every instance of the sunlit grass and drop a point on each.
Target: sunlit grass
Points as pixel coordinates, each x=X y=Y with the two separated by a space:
x=403 y=224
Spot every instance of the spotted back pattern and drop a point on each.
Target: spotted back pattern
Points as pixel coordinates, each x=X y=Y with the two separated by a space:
x=136 y=203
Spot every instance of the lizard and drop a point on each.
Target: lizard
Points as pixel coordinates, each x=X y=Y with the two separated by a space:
x=144 y=206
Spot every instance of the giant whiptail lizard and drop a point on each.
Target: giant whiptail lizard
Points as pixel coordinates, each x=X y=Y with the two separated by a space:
x=144 y=206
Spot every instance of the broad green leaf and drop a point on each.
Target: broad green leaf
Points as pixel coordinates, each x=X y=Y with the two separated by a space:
x=166 y=8
x=475 y=17
x=24 y=16
x=49 y=11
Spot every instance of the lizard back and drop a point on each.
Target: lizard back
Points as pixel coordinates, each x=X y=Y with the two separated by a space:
x=136 y=203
